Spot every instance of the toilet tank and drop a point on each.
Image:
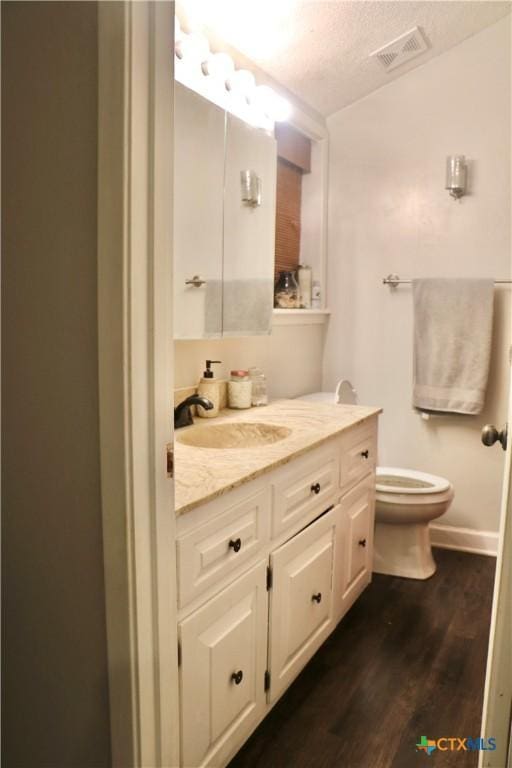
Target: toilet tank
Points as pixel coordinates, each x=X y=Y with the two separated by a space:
x=345 y=394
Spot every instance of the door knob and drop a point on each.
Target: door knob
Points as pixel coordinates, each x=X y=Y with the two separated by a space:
x=491 y=435
x=317 y=598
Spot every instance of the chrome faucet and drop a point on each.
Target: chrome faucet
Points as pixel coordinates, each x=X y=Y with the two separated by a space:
x=182 y=414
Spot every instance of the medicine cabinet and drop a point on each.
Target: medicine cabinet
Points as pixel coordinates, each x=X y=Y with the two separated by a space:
x=224 y=222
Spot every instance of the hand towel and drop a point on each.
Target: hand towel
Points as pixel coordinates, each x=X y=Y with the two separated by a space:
x=452 y=343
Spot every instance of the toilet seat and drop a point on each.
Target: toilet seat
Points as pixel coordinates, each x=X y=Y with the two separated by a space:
x=396 y=480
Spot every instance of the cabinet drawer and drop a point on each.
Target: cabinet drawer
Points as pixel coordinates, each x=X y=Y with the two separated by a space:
x=223 y=662
x=305 y=490
x=358 y=454
x=301 y=602
x=222 y=545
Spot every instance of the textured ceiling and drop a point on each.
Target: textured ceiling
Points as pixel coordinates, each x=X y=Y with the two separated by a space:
x=319 y=50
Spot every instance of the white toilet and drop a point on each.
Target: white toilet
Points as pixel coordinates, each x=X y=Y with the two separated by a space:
x=406 y=502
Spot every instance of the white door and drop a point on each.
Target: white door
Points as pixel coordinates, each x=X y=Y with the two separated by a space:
x=496 y=719
x=135 y=153
x=301 y=602
x=223 y=663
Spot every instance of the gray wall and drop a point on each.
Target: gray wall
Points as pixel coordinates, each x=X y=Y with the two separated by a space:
x=55 y=686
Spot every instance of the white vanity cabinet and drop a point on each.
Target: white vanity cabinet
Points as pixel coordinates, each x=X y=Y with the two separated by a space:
x=265 y=572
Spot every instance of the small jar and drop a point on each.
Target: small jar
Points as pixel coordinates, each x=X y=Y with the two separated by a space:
x=286 y=291
x=259 y=387
x=239 y=390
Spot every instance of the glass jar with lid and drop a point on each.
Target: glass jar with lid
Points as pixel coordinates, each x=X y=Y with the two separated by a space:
x=286 y=291
x=259 y=387
x=239 y=390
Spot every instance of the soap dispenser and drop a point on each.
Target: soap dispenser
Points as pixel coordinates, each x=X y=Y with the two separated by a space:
x=210 y=388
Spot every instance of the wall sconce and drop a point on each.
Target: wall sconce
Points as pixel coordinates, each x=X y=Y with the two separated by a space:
x=251 y=188
x=456 y=175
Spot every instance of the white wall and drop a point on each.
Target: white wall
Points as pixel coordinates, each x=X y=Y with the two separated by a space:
x=291 y=358
x=389 y=212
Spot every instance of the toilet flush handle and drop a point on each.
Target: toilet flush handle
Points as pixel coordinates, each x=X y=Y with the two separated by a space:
x=491 y=435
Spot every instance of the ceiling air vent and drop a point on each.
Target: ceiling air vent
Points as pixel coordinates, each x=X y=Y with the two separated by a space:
x=403 y=49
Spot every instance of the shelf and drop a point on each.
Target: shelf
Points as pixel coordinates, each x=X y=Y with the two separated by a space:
x=300 y=316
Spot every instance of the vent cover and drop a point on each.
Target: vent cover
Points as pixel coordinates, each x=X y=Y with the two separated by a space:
x=403 y=49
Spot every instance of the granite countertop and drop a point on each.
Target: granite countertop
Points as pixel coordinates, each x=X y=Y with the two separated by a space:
x=202 y=474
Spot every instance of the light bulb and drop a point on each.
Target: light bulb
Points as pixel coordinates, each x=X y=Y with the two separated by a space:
x=242 y=82
x=219 y=65
x=270 y=103
x=193 y=47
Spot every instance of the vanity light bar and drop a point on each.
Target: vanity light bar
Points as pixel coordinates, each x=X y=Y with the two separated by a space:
x=214 y=76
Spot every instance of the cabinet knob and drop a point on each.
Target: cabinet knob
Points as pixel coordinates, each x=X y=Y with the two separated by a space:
x=315 y=488
x=317 y=598
x=365 y=454
x=362 y=542
x=237 y=677
x=235 y=544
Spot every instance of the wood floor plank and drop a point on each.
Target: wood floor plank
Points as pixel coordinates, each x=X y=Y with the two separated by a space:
x=407 y=660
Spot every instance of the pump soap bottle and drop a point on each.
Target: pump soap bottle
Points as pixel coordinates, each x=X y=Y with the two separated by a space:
x=210 y=388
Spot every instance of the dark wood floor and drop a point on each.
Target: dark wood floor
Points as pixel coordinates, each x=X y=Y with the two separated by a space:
x=407 y=660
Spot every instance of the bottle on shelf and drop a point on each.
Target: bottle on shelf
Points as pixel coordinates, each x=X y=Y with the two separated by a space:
x=316 y=296
x=305 y=276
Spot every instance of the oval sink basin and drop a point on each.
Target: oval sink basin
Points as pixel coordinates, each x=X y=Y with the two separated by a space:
x=234 y=435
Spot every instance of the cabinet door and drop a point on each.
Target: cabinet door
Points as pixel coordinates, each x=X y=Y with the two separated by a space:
x=357 y=516
x=249 y=231
x=199 y=128
x=301 y=602
x=223 y=662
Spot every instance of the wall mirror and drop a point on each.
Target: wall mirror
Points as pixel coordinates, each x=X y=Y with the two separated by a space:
x=224 y=222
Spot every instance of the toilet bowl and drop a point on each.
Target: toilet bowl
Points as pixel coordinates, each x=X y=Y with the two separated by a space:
x=405 y=503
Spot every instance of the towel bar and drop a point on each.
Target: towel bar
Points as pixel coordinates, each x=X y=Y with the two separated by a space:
x=394 y=280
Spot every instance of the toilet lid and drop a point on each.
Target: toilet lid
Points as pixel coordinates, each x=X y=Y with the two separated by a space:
x=398 y=480
x=345 y=393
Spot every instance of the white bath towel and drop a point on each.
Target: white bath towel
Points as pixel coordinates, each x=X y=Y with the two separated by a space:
x=452 y=343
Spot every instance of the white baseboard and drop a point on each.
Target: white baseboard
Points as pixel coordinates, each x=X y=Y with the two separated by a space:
x=464 y=539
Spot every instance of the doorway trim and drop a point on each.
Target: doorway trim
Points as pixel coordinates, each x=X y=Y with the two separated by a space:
x=135 y=152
